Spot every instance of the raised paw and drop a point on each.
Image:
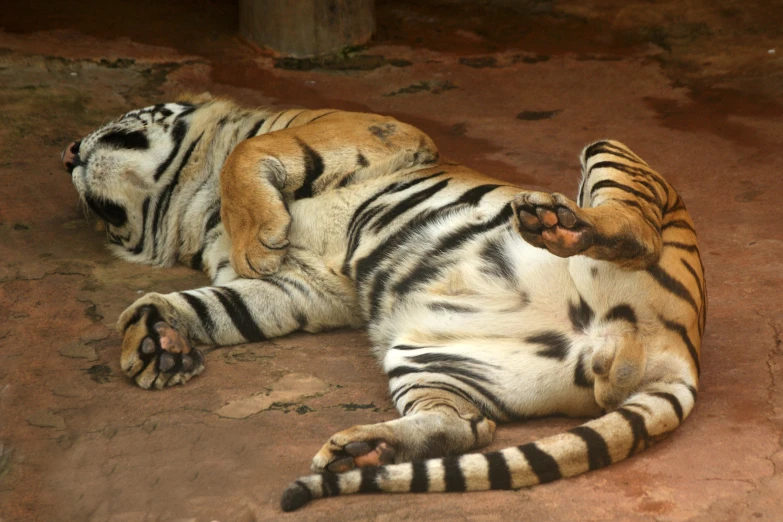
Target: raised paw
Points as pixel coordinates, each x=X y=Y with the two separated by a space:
x=554 y=222
x=348 y=450
x=155 y=353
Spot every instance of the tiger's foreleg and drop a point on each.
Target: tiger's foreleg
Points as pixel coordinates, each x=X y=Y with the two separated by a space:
x=265 y=172
x=161 y=331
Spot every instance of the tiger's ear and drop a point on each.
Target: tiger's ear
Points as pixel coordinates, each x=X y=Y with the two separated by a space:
x=195 y=99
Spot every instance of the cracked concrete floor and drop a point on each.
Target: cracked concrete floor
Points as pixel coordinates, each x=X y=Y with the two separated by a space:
x=695 y=88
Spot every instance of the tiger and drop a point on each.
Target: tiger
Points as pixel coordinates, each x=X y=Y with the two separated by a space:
x=485 y=302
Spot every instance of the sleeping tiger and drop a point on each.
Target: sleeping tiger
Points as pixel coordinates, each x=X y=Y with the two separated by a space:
x=484 y=302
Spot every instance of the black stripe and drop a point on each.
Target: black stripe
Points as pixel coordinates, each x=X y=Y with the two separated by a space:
x=240 y=315
x=641 y=171
x=221 y=265
x=369 y=482
x=683 y=333
x=395 y=240
x=177 y=135
x=541 y=463
x=420 y=479
x=634 y=172
x=441 y=306
x=452 y=474
x=673 y=400
x=581 y=377
x=638 y=430
x=213 y=221
x=428 y=358
x=603 y=147
x=678 y=223
x=682 y=246
x=679 y=204
x=474 y=195
x=696 y=279
x=302 y=289
x=377 y=290
x=355 y=224
x=496 y=401
x=609 y=183
x=401 y=371
x=499 y=474
x=581 y=315
x=597 y=450
x=277 y=284
x=202 y=312
x=653 y=191
x=330 y=484
x=361 y=160
x=435 y=385
x=197 y=261
x=408 y=203
x=494 y=255
x=255 y=128
x=621 y=312
x=673 y=286
x=271 y=125
x=144 y=212
x=295 y=117
x=355 y=238
x=428 y=266
x=408 y=347
x=321 y=116
x=314 y=167
x=635 y=204
x=557 y=344
x=163 y=202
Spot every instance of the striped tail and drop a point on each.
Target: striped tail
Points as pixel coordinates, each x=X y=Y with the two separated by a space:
x=645 y=418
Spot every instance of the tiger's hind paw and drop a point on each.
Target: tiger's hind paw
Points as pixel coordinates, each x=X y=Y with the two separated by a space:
x=338 y=455
x=553 y=222
x=155 y=353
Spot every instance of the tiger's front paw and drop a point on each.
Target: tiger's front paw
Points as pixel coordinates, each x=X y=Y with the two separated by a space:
x=554 y=222
x=154 y=351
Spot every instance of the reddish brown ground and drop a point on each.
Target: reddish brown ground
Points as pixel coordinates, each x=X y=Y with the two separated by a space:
x=695 y=88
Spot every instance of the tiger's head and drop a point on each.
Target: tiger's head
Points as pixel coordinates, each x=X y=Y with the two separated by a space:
x=134 y=173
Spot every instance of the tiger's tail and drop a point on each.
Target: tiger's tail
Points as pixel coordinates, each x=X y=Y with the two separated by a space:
x=643 y=419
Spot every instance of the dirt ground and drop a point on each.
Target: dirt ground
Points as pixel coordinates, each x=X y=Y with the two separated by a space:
x=513 y=89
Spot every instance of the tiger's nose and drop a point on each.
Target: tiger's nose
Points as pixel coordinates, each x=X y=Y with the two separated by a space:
x=69 y=156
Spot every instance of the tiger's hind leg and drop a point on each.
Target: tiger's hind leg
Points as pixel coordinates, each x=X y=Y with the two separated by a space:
x=621 y=208
x=436 y=423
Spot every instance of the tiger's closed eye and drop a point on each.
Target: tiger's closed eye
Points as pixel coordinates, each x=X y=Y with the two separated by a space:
x=134 y=140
